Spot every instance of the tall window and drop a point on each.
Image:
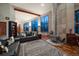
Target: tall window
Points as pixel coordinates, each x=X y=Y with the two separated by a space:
x=34 y=25
x=44 y=24
x=77 y=21
x=26 y=27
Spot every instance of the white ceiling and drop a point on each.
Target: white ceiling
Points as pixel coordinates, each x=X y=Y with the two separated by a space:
x=32 y=7
x=24 y=17
x=35 y=7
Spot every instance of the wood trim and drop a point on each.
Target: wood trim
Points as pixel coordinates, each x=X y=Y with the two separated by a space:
x=25 y=11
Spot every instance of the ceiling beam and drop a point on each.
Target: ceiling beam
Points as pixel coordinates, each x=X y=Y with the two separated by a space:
x=25 y=11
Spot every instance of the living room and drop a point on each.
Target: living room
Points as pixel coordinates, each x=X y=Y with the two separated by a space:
x=39 y=29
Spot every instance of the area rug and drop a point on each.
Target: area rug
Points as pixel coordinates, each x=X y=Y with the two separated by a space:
x=38 y=48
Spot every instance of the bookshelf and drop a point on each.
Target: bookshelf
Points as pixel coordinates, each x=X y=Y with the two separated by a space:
x=12 y=28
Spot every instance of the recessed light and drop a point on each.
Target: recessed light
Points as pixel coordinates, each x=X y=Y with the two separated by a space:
x=42 y=4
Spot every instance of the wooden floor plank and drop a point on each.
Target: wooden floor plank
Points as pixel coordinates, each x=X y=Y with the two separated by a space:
x=70 y=50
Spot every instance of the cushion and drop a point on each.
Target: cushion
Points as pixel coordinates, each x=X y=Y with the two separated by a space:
x=10 y=40
x=6 y=49
x=3 y=49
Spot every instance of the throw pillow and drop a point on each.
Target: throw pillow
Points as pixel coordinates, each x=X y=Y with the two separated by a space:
x=11 y=40
x=6 y=49
x=3 y=49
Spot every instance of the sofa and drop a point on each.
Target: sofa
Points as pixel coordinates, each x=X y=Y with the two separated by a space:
x=13 y=49
x=28 y=36
x=26 y=39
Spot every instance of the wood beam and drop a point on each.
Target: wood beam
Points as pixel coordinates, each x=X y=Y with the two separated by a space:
x=25 y=11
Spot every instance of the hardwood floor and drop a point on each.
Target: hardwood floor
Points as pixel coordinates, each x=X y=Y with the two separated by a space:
x=69 y=50
x=66 y=48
